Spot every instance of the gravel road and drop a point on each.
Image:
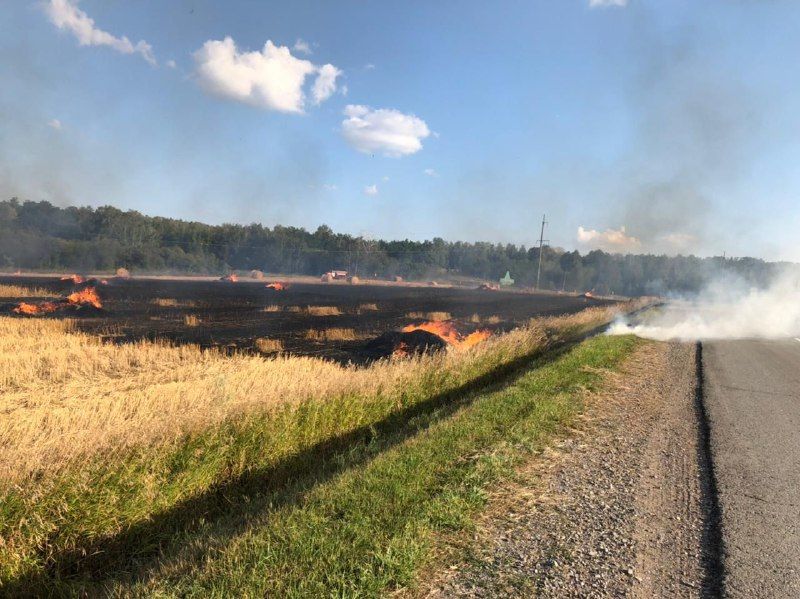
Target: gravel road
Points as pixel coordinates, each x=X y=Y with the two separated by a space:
x=617 y=509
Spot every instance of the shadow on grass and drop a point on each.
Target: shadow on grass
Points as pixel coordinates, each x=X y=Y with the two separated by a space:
x=129 y=555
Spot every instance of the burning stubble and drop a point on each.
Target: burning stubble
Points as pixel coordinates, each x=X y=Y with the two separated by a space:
x=447 y=331
x=85 y=298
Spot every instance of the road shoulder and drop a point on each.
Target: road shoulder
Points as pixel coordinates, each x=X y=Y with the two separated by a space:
x=613 y=509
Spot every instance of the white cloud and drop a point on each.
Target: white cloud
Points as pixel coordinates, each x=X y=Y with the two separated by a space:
x=430 y=172
x=605 y=3
x=55 y=124
x=613 y=240
x=371 y=190
x=65 y=15
x=171 y=64
x=329 y=187
x=302 y=46
x=272 y=79
x=383 y=130
x=385 y=177
x=369 y=66
x=325 y=84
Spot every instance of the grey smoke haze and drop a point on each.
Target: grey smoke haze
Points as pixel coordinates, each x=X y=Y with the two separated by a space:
x=726 y=309
x=614 y=120
x=36 y=160
x=697 y=130
x=694 y=130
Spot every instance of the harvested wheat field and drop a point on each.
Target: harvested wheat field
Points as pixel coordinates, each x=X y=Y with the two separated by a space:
x=233 y=315
x=114 y=451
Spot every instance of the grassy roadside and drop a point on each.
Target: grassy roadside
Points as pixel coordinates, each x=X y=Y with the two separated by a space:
x=70 y=519
x=359 y=521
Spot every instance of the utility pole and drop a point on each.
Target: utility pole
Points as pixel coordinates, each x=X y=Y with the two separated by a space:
x=541 y=244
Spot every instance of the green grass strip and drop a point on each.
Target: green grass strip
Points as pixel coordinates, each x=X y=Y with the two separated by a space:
x=369 y=530
x=125 y=507
x=354 y=517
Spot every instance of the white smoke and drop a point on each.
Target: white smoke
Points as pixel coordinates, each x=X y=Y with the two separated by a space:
x=725 y=310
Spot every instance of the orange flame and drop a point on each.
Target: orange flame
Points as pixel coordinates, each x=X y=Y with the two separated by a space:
x=35 y=309
x=474 y=338
x=443 y=329
x=447 y=331
x=86 y=296
x=277 y=286
x=231 y=278
x=75 y=279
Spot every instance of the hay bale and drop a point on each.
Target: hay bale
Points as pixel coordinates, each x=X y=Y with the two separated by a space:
x=398 y=279
x=123 y=273
x=327 y=277
x=256 y=274
x=354 y=280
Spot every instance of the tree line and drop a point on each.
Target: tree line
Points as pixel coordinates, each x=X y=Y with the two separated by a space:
x=41 y=236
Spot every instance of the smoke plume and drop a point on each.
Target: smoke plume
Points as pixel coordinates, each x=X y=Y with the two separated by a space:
x=725 y=310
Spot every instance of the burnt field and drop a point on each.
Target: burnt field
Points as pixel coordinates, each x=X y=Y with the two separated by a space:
x=335 y=320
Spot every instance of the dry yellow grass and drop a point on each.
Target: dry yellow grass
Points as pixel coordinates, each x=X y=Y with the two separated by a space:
x=432 y=316
x=323 y=311
x=268 y=346
x=271 y=308
x=164 y=302
x=15 y=291
x=67 y=396
x=170 y=302
x=190 y=320
x=294 y=309
x=331 y=334
x=361 y=308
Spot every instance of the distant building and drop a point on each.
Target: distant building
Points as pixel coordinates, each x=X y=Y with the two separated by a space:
x=507 y=281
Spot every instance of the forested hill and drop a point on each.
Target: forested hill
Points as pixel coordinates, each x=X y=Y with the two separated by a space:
x=40 y=236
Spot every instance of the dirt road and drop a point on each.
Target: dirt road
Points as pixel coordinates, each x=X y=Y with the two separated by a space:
x=621 y=508
x=752 y=394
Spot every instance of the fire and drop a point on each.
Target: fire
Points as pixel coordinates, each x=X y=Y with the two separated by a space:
x=35 y=309
x=447 y=331
x=86 y=296
x=75 y=279
x=277 y=286
x=475 y=338
x=231 y=278
x=442 y=328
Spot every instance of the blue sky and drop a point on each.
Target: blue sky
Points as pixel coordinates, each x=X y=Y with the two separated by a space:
x=636 y=126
